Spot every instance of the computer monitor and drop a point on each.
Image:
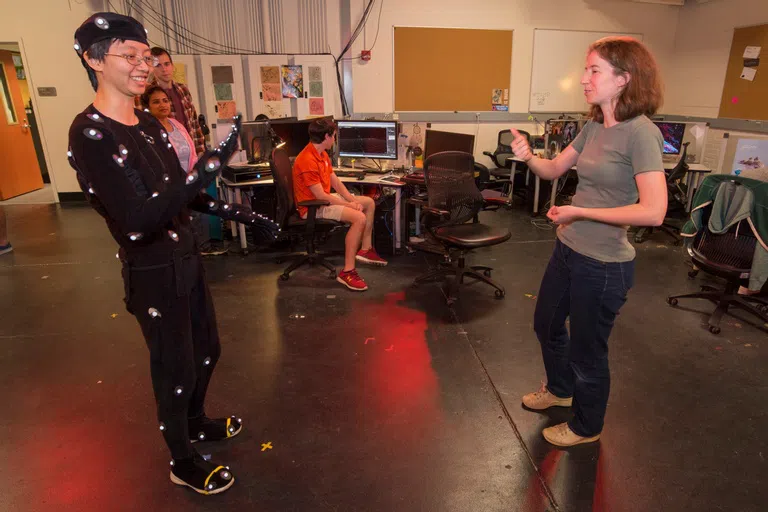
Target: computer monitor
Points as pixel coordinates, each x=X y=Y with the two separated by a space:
x=294 y=133
x=559 y=134
x=367 y=139
x=673 y=136
x=256 y=140
x=437 y=142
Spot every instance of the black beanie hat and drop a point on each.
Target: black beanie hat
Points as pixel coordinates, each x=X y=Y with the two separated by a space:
x=106 y=25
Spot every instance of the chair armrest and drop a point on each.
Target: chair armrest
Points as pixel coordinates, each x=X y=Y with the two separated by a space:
x=312 y=206
x=314 y=202
x=488 y=153
x=437 y=212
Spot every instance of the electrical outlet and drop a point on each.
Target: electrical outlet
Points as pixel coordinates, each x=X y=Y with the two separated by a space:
x=365 y=55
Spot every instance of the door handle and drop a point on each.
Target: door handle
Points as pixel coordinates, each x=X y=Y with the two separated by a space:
x=25 y=126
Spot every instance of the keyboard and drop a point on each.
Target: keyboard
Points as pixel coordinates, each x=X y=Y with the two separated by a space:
x=349 y=173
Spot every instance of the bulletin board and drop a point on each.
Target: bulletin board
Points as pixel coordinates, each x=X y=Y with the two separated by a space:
x=743 y=98
x=451 y=69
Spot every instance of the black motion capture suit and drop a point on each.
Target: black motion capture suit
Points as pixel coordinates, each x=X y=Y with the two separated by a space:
x=132 y=177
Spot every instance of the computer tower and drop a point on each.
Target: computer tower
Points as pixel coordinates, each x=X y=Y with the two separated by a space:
x=384 y=225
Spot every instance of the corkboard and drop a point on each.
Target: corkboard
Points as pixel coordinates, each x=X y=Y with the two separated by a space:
x=450 y=69
x=751 y=99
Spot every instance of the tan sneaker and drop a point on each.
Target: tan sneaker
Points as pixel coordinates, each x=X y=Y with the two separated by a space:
x=562 y=435
x=543 y=399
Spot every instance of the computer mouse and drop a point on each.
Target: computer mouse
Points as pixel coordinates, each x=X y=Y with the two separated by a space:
x=360 y=177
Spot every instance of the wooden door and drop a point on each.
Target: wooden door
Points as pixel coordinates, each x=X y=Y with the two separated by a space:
x=19 y=171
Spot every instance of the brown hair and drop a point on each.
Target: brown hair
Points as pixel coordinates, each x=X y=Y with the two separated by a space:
x=319 y=128
x=148 y=92
x=156 y=51
x=644 y=92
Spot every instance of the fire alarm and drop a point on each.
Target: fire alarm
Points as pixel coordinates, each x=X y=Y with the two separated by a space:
x=365 y=55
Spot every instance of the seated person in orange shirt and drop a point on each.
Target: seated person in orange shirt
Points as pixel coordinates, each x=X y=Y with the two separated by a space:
x=313 y=178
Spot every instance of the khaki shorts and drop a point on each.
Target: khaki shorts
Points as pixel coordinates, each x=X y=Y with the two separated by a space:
x=330 y=212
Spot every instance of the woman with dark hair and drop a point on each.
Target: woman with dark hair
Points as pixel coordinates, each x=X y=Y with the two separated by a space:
x=621 y=183
x=156 y=100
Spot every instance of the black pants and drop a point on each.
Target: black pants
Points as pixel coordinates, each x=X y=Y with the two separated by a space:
x=173 y=306
x=590 y=292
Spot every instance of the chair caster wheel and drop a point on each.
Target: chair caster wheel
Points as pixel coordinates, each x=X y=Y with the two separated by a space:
x=639 y=240
x=450 y=301
x=500 y=294
x=284 y=277
x=714 y=329
x=487 y=273
x=332 y=275
x=671 y=301
x=693 y=273
x=279 y=261
x=763 y=308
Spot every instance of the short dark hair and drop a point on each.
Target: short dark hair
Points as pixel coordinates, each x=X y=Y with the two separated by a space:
x=319 y=128
x=156 y=51
x=152 y=89
x=97 y=51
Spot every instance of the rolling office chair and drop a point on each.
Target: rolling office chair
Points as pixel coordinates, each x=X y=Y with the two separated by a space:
x=677 y=198
x=728 y=256
x=502 y=172
x=454 y=200
x=291 y=224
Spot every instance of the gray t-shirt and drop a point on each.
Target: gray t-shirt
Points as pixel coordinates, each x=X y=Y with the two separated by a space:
x=609 y=160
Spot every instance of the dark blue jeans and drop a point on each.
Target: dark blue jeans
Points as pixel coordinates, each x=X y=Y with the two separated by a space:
x=590 y=292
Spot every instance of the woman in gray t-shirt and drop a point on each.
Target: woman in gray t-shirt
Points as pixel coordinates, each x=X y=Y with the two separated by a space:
x=621 y=183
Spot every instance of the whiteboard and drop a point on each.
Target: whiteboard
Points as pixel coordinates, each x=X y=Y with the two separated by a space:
x=558 y=64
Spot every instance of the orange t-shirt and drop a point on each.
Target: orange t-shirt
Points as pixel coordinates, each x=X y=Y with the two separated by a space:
x=309 y=168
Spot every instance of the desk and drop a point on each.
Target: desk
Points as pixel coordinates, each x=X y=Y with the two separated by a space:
x=693 y=179
x=233 y=194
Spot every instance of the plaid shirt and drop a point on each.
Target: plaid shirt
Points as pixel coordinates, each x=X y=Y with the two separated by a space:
x=193 y=126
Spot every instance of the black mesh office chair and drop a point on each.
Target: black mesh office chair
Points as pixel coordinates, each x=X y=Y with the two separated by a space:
x=453 y=201
x=500 y=155
x=728 y=256
x=677 y=199
x=291 y=224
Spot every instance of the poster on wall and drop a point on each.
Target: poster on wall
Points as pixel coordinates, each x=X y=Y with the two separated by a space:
x=271 y=92
x=751 y=154
x=223 y=92
x=292 y=81
x=273 y=109
x=270 y=75
x=316 y=106
x=226 y=109
x=180 y=73
x=315 y=89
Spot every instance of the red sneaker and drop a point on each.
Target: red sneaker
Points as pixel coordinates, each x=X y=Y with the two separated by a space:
x=352 y=280
x=371 y=257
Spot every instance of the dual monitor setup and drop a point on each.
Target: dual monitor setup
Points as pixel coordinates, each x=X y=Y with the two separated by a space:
x=355 y=139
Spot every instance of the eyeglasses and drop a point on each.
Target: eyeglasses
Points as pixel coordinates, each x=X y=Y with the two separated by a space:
x=135 y=60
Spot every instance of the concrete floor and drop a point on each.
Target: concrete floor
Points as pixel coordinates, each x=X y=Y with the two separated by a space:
x=380 y=401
